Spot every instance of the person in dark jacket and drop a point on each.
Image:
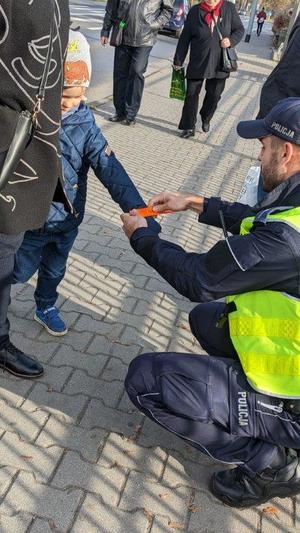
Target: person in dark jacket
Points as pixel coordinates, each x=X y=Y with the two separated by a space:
x=260 y=18
x=25 y=200
x=209 y=400
x=83 y=146
x=142 y=19
x=283 y=82
x=205 y=62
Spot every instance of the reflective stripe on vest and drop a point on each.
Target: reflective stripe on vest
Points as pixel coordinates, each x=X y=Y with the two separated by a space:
x=265 y=330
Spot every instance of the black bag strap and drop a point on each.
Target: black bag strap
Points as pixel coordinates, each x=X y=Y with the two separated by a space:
x=217 y=27
x=42 y=87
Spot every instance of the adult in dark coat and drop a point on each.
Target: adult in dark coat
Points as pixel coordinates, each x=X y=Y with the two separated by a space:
x=284 y=80
x=143 y=19
x=25 y=201
x=201 y=35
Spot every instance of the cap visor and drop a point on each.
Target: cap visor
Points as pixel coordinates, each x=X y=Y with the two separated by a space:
x=252 y=129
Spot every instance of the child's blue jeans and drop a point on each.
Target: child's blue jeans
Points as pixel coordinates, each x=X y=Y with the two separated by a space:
x=46 y=253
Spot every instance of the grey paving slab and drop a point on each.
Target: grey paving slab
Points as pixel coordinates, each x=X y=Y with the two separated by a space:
x=62 y=405
x=209 y=516
x=28 y=496
x=124 y=452
x=98 y=415
x=16 y=453
x=108 y=391
x=107 y=482
x=96 y=517
x=18 y=523
x=57 y=433
x=155 y=497
x=26 y=425
x=92 y=365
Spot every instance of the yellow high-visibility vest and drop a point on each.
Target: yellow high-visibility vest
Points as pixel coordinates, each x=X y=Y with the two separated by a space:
x=265 y=330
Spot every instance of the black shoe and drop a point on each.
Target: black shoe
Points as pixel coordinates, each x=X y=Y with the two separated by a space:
x=116 y=118
x=186 y=134
x=128 y=122
x=237 y=489
x=18 y=363
x=205 y=126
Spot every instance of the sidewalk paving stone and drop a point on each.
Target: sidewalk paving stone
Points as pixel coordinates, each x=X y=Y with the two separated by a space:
x=74 y=472
x=44 y=501
x=16 y=453
x=58 y=433
x=124 y=452
x=96 y=517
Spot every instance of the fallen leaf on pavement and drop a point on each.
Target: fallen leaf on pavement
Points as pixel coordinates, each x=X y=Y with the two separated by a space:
x=26 y=457
x=164 y=496
x=175 y=525
x=183 y=326
x=193 y=508
x=271 y=510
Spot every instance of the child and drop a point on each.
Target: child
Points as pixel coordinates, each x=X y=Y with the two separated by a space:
x=83 y=146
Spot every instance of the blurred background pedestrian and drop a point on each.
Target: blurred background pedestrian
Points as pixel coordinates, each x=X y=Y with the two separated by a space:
x=201 y=35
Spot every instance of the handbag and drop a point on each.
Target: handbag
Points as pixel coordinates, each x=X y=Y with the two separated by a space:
x=177 y=89
x=116 y=37
x=22 y=124
x=229 y=55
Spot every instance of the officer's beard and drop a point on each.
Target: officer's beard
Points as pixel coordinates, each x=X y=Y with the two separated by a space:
x=272 y=176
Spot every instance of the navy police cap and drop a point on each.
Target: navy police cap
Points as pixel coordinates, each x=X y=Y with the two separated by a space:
x=282 y=121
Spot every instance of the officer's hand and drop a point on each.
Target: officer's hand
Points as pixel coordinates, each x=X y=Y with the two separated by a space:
x=104 y=40
x=169 y=201
x=176 y=201
x=176 y=67
x=131 y=222
x=225 y=43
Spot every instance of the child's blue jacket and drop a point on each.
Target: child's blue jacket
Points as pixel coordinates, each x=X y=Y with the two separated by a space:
x=83 y=146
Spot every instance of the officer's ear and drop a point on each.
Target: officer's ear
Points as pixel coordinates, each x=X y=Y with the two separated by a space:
x=284 y=151
x=288 y=153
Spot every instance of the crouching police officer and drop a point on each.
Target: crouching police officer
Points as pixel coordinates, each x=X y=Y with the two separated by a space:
x=240 y=403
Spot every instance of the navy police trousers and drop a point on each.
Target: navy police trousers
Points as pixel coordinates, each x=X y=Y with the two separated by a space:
x=207 y=401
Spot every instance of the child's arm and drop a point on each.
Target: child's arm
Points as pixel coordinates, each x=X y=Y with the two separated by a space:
x=113 y=175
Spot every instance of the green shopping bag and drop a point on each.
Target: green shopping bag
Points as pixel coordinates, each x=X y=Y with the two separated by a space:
x=177 y=89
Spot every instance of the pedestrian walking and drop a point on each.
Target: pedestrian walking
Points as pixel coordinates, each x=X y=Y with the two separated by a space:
x=201 y=35
x=138 y=22
x=260 y=18
x=241 y=403
x=26 y=29
x=83 y=146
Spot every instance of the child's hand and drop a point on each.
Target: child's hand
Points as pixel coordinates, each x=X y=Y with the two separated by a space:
x=131 y=222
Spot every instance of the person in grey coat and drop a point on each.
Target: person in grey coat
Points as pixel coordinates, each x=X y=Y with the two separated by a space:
x=141 y=19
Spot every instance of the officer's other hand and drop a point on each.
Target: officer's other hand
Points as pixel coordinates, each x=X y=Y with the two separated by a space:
x=104 y=40
x=131 y=222
x=225 y=43
x=169 y=201
x=176 y=67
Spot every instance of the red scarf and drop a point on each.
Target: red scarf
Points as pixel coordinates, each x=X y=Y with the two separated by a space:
x=210 y=11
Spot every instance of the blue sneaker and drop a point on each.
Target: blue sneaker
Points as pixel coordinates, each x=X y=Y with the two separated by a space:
x=49 y=318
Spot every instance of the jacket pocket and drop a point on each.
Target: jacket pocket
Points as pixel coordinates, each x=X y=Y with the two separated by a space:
x=185 y=385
